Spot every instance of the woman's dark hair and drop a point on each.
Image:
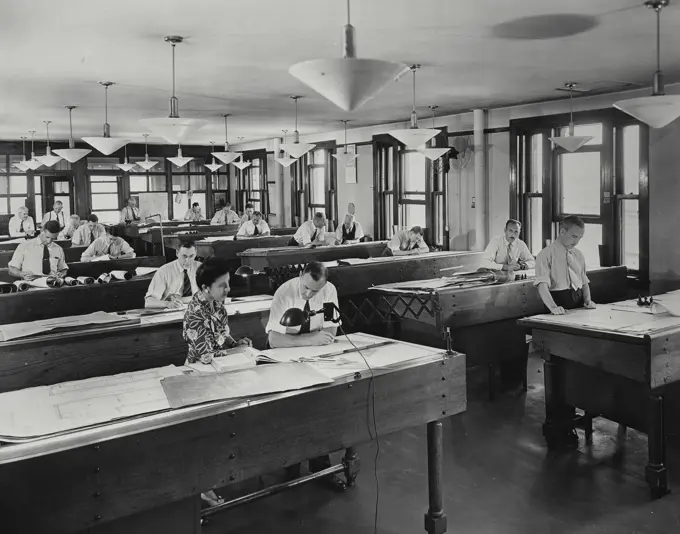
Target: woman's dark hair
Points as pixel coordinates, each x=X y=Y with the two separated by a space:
x=210 y=270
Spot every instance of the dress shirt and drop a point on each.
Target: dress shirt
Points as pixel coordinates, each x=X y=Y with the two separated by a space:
x=59 y=217
x=304 y=234
x=228 y=217
x=560 y=267
x=15 y=226
x=288 y=296
x=496 y=254
x=82 y=236
x=244 y=219
x=68 y=231
x=400 y=241
x=28 y=257
x=191 y=215
x=248 y=229
x=116 y=247
x=169 y=280
x=129 y=214
x=358 y=232
x=206 y=330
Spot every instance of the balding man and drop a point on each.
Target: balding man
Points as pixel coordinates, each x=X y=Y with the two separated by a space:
x=57 y=214
x=508 y=252
x=22 y=224
x=350 y=231
x=311 y=233
x=405 y=243
x=70 y=228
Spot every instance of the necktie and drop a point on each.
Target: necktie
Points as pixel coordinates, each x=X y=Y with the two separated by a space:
x=304 y=328
x=508 y=256
x=257 y=230
x=314 y=235
x=46 y=260
x=91 y=236
x=572 y=275
x=410 y=245
x=21 y=228
x=186 y=285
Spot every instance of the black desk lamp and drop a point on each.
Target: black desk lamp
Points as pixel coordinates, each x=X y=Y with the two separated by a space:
x=246 y=271
x=297 y=317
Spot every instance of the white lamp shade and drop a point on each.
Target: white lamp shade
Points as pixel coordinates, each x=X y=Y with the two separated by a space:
x=286 y=162
x=347 y=82
x=72 y=154
x=22 y=166
x=414 y=137
x=345 y=158
x=174 y=130
x=180 y=161
x=433 y=153
x=241 y=164
x=48 y=159
x=33 y=164
x=571 y=143
x=127 y=167
x=213 y=166
x=226 y=157
x=296 y=150
x=657 y=111
x=106 y=145
x=146 y=164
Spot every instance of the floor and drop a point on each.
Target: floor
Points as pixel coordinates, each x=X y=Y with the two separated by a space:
x=499 y=478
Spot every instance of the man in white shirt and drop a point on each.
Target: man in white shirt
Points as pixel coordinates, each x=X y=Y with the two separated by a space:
x=225 y=216
x=349 y=232
x=311 y=233
x=194 y=213
x=174 y=284
x=508 y=252
x=248 y=214
x=130 y=213
x=39 y=256
x=22 y=224
x=71 y=227
x=107 y=245
x=405 y=243
x=255 y=227
x=57 y=214
x=88 y=233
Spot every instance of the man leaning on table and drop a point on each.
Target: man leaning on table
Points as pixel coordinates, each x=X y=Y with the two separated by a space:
x=406 y=243
x=225 y=216
x=86 y=234
x=508 y=252
x=311 y=233
x=39 y=256
x=174 y=283
x=21 y=224
x=255 y=227
x=107 y=245
x=561 y=276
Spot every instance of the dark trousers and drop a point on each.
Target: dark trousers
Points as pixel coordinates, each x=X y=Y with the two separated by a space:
x=569 y=299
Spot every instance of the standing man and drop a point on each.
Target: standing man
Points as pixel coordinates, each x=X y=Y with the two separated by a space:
x=405 y=243
x=71 y=227
x=508 y=252
x=22 y=224
x=115 y=247
x=129 y=213
x=350 y=231
x=88 y=233
x=39 y=256
x=194 y=214
x=174 y=283
x=250 y=210
x=311 y=233
x=255 y=227
x=225 y=216
x=56 y=214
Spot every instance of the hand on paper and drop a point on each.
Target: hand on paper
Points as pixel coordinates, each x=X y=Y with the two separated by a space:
x=557 y=310
x=245 y=341
x=175 y=302
x=511 y=267
x=589 y=305
x=321 y=337
x=28 y=276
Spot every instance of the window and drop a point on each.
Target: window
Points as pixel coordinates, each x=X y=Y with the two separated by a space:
x=253 y=183
x=579 y=175
x=628 y=197
x=13 y=187
x=189 y=179
x=412 y=201
x=321 y=185
x=143 y=181
x=105 y=198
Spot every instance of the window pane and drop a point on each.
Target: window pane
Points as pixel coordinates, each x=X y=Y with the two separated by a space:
x=413 y=215
x=631 y=160
x=157 y=183
x=104 y=178
x=580 y=183
x=255 y=178
x=4 y=188
x=589 y=245
x=18 y=185
x=37 y=185
x=535 y=224
x=195 y=165
x=104 y=187
x=388 y=168
x=180 y=182
x=198 y=183
x=388 y=200
x=593 y=130
x=630 y=230
x=219 y=182
x=61 y=188
x=38 y=207
x=108 y=217
x=16 y=202
x=196 y=197
x=4 y=206
x=105 y=202
x=137 y=183
x=414 y=171
x=318 y=157
x=317 y=180
x=100 y=164
x=536 y=184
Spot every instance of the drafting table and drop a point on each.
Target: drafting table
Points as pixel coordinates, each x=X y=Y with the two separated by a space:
x=174 y=241
x=71 y=254
x=230 y=249
x=12 y=244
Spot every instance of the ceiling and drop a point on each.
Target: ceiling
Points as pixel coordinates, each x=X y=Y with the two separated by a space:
x=475 y=53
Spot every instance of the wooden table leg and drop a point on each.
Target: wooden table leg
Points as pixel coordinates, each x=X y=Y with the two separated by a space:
x=558 y=428
x=655 y=471
x=435 y=520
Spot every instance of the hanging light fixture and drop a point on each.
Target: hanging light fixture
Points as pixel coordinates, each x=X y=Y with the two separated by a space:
x=286 y=161
x=433 y=153
x=106 y=144
x=571 y=142
x=125 y=166
x=659 y=109
x=33 y=163
x=214 y=165
x=345 y=158
x=72 y=154
x=48 y=159
x=173 y=128
x=414 y=137
x=348 y=82
x=241 y=164
x=296 y=149
x=147 y=164
x=227 y=156
x=179 y=160
x=23 y=165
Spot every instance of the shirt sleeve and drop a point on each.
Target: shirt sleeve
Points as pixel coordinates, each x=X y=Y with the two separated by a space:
x=61 y=264
x=584 y=274
x=279 y=305
x=157 y=286
x=125 y=248
x=45 y=218
x=422 y=247
x=89 y=252
x=123 y=213
x=29 y=225
x=17 y=260
x=13 y=227
x=359 y=231
x=242 y=230
x=489 y=257
x=188 y=215
x=542 y=268
x=78 y=236
x=265 y=228
x=305 y=235
x=526 y=256
x=395 y=243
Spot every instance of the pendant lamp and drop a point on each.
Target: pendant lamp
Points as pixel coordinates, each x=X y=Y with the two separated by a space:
x=227 y=156
x=433 y=153
x=23 y=164
x=571 y=142
x=147 y=164
x=296 y=149
x=106 y=144
x=125 y=166
x=286 y=161
x=414 y=137
x=241 y=164
x=48 y=159
x=345 y=158
x=659 y=109
x=72 y=154
x=348 y=82
x=179 y=160
x=214 y=165
x=33 y=163
x=173 y=128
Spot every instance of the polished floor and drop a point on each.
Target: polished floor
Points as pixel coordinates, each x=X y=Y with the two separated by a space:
x=499 y=478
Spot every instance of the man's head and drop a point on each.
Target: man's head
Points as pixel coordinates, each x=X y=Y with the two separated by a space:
x=257 y=217
x=107 y=235
x=58 y=206
x=50 y=232
x=349 y=220
x=250 y=209
x=313 y=279
x=132 y=202
x=92 y=222
x=196 y=207
x=75 y=220
x=572 y=229
x=186 y=254
x=22 y=213
x=319 y=220
x=227 y=206
x=415 y=233
x=512 y=229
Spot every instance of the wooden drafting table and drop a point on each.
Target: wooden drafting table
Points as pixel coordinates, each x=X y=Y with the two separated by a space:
x=71 y=254
x=15 y=242
x=230 y=249
x=174 y=241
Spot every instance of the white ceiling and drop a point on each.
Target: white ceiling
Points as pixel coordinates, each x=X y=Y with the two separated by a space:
x=475 y=53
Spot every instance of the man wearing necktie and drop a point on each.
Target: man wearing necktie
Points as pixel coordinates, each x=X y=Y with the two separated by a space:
x=311 y=233
x=40 y=256
x=57 y=214
x=508 y=252
x=174 y=283
x=21 y=224
x=130 y=213
x=255 y=227
x=407 y=243
x=561 y=276
x=86 y=234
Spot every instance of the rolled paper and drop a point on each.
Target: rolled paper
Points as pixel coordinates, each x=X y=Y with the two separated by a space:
x=104 y=278
x=53 y=281
x=120 y=275
x=21 y=285
x=7 y=288
x=85 y=280
x=70 y=281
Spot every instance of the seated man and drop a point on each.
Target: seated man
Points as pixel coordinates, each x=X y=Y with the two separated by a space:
x=174 y=283
x=248 y=214
x=309 y=292
x=508 y=252
x=22 y=224
x=70 y=228
x=225 y=216
x=311 y=233
x=88 y=233
x=57 y=214
x=115 y=247
x=194 y=213
x=255 y=227
x=350 y=231
x=406 y=243
x=39 y=256
x=129 y=213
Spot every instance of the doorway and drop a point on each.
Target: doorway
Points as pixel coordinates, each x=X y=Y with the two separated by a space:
x=58 y=188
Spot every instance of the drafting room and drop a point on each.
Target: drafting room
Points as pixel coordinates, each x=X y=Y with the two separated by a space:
x=372 y=266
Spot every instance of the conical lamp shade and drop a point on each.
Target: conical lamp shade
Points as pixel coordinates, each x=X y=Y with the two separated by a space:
x=180 y=161
x=22 y=166
x=174 y=130
x=571 y=143
x=226 y=157
x=347 y=82
x=656 y=111
x=33 y=164
x=433 y=153
x=48 y=159
x=106 y=145
x=241 y=164
x=213 y=166
x=414 y=137
x=72 y=154
x=146 y=164
x=286 y=162
x=345 y=158
x=125 y=166
x=296 y=150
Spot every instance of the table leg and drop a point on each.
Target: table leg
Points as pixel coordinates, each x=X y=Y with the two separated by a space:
x=352 y=465
x=558 y=428
x=655 y=471
x=435 y=520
